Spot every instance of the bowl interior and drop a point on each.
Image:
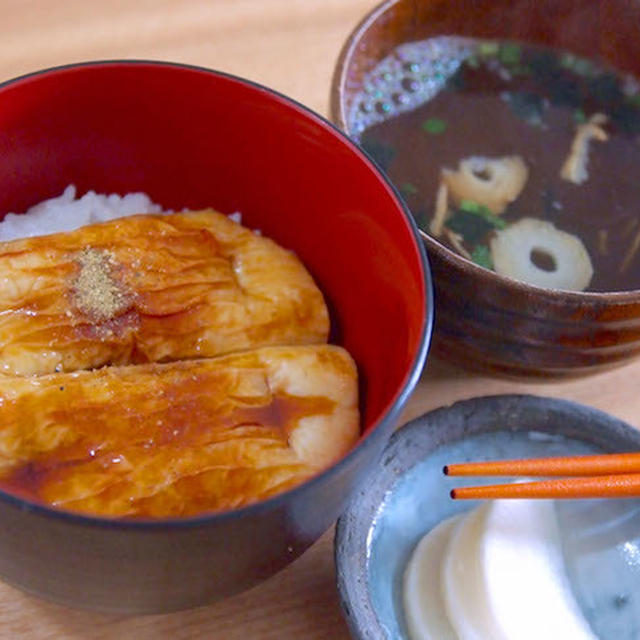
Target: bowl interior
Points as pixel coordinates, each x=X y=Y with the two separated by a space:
x=192 y=138
x=485 y=320
x=586 y=27
x=409 y=495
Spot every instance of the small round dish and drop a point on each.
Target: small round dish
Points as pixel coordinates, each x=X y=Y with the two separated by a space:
x=408 y=494
x=484 y=320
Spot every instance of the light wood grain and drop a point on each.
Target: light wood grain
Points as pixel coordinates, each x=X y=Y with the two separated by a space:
x=290 y=45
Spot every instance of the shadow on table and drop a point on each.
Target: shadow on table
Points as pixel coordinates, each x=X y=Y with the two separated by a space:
x=299 y=602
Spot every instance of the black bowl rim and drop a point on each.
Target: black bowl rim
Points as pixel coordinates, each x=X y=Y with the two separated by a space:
x=384 y=423
x=359 y=614
x=338 y=116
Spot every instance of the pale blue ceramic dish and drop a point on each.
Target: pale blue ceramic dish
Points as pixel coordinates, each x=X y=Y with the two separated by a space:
x=408 y=494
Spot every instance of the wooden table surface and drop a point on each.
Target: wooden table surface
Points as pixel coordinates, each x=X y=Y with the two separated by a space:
x=290 y=45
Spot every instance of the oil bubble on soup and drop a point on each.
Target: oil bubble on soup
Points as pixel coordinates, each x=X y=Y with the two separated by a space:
x=519 y=158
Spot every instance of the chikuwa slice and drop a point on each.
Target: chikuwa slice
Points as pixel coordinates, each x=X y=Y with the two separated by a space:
x=514 y=249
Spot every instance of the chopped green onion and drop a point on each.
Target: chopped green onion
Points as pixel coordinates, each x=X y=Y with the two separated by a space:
x=510 y=53
x=474 y=222
x=480 y=210
x=488 y=48
x=472 y=227
x=494 y=220
x=482 y=256
x=434 y=126
x=582 y=67
x=470 y=206
x=409 y=187
x=567 y=61
x=473 y=62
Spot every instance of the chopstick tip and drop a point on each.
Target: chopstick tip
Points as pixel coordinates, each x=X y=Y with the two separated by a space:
x=445 y=469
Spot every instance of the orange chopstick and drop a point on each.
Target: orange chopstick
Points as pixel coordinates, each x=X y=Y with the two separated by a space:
x=613 y=486
x=594 y=465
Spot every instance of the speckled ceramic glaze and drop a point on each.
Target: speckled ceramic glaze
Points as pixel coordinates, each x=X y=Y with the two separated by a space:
x=485 y=320
x=408 y=494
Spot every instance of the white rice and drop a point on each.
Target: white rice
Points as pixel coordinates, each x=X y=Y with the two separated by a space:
x=66 y=213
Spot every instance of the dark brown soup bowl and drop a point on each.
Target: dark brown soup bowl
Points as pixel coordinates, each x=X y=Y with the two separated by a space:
x=485 y=320
x=193 y=138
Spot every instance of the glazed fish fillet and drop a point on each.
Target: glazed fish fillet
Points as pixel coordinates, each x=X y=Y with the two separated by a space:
x=178 y=439
x=150 y=288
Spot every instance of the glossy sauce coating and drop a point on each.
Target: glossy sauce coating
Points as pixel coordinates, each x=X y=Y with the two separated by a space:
x=177 y=439
x=150 y=288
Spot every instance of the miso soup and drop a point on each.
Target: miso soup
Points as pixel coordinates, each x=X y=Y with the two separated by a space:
x=522 y=159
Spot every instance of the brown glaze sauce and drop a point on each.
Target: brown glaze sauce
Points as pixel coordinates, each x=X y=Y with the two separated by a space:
x=176 y=423
x=533 y=112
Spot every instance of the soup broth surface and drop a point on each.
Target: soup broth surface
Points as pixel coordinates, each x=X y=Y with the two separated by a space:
x=432 y=104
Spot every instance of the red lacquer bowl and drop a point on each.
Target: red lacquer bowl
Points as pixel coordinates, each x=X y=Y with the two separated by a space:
x=193 y=138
